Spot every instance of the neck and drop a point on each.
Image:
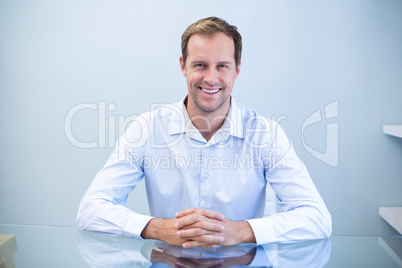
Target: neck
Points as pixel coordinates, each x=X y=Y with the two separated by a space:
x=208 y=123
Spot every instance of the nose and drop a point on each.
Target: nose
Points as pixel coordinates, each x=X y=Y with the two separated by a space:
x=211 y=76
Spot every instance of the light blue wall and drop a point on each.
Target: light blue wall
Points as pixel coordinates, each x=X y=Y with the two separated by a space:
x=298 y=57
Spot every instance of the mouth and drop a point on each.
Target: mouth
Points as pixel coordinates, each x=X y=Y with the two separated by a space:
x=209 y=90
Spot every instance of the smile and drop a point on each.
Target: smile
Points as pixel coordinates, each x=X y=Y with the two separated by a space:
x=210 y=91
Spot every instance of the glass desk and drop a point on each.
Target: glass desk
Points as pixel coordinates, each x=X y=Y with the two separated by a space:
x=44 y=246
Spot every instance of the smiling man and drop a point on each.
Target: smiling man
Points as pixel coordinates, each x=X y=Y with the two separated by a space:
x=221 y=158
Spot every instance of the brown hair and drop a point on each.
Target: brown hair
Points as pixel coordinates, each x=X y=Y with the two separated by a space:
x=209 y=27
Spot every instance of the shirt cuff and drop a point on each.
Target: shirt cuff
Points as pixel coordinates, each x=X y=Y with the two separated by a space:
x=263 y=230
x=135 y=225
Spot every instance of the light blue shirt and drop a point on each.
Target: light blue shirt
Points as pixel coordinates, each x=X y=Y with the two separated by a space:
x=228 y=174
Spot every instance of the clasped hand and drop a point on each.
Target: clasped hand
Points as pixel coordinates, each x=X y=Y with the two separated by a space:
x=196 y=227
x=200 y=228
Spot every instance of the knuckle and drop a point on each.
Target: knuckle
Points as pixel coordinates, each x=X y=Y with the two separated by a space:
x=202 y=225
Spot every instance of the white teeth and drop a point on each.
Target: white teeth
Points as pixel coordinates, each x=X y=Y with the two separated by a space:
x=210 y=91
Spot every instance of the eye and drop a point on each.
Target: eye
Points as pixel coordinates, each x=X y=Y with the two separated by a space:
x=223 y=66
x=199 y=65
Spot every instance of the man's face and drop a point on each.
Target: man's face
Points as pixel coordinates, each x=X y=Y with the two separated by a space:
x=210 y=71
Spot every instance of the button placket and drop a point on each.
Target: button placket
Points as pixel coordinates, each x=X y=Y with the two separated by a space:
x=204 y=175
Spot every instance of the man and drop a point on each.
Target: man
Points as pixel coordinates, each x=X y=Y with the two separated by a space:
x=206 y=162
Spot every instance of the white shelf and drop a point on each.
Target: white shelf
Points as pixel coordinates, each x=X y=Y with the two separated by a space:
x=394 y=130
x=392 y=245
x=392 y=215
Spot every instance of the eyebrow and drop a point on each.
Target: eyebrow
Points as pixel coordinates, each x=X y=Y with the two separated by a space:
x=220 y=62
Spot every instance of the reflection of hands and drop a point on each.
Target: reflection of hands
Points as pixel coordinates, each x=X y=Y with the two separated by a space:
x=158 y=256
x=101 y=250
x=205 y=227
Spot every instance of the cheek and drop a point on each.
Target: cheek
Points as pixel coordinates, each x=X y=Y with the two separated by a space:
x=227 y=80
x=194 y=78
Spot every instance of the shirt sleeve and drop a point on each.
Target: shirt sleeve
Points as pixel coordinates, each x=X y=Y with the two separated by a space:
x=102 y=208
x=304 y=215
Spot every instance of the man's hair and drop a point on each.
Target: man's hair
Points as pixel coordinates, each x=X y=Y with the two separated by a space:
x=208 y=27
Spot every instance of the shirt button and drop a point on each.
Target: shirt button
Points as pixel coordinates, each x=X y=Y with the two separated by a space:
x=204 y=177
x=205 y=206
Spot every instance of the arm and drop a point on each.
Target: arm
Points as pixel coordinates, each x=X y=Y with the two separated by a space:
x=304 y=215
x=103 y=208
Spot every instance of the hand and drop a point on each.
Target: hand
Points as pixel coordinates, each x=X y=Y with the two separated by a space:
x=204 y=227
x=164 y=230
x=200 y=227
x=204 y=222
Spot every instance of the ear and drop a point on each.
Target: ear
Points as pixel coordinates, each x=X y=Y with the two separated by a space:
x=237 y=72
x=183 y=67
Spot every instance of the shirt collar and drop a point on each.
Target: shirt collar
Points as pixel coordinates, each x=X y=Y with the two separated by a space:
x=180 y=120
x=235 y=119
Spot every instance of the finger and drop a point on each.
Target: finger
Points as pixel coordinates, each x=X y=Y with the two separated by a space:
x=203 y=241
x=206 y=224
x=186 y=212
x=192 y=233
x=212 y=214
x=210 y=239
x=207 y=228
x=193 y=219
x=207 y=213
x=189 y=220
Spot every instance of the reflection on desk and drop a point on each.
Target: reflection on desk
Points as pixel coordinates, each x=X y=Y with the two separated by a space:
x=100 y=250
x=51 y=246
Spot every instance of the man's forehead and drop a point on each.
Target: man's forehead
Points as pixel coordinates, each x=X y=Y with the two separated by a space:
x=218 y=45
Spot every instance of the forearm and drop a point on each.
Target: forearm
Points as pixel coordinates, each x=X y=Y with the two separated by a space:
x=103 y=216
x=304 y=223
